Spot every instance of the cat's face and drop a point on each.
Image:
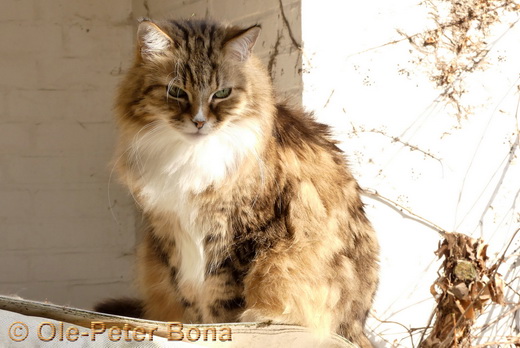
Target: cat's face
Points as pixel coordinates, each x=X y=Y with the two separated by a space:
x=193 y=76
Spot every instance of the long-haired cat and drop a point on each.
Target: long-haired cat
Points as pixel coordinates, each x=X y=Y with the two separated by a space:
x=251 y=212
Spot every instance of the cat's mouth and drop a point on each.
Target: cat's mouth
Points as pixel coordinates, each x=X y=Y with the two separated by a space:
x=196 y=135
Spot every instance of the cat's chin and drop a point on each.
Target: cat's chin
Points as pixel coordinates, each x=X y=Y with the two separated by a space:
x=195 y=136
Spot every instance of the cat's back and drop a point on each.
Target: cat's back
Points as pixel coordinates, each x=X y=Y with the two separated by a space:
x=295 y=127
x=307 y=150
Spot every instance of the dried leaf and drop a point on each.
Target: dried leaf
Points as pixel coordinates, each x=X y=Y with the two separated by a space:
x=460 y=291
x=433 y=291
x=481 y=252
x=497 y=295
x=459 y=306
x=443 y=248
x=485 y=295
x=470 y=312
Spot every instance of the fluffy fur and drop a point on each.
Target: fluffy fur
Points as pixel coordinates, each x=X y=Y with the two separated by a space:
x=251 y=211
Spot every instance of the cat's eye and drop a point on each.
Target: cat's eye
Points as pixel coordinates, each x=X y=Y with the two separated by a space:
x=177 y=92
x=223 y=93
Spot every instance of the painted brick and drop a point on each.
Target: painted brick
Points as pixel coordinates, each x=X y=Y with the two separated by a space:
x=3 y=172
x=159 y=9
x=113 y=11
x=58 y=170
x=18 y=72
x=235 y=10
x=74 y=138
x=77 y=73
x=16 y=203
x=63 y=202
x=14 y=267
x=56 y=105
x=16 y=138
x=73 y=266
x=87 y=295
x=68 y=233
x=17 y=10
x=55 y=291
x=4 y=106
x=25 y=37
x=60 y=62
x=93 y=40
x=285 y=72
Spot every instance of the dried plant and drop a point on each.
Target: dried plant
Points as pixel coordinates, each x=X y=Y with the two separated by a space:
x=458 y=45
x=463 y=289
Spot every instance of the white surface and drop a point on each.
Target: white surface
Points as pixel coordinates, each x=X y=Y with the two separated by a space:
x=38 y=332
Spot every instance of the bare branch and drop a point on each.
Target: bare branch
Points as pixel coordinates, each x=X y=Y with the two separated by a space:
x=404 y=211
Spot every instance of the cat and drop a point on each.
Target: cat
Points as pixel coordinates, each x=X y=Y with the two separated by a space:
x=251 y=212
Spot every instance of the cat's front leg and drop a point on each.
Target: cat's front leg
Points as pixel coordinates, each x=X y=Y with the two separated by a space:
x=292 y=285
x=157 y=280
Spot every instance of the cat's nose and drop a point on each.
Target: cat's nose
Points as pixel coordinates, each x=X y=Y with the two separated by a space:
x=199 y=124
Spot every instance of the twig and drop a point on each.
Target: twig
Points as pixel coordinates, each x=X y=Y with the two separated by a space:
x=426 y=328
x=328 y=100
x=410 y=331
x=398 y=140
x=404 y=211
x=512 y=310
x=515 y=341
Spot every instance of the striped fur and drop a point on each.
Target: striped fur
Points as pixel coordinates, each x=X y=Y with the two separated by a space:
x=251 y=211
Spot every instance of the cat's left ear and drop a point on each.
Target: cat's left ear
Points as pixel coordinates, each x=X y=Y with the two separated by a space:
x=153 y=42
x=240 y=46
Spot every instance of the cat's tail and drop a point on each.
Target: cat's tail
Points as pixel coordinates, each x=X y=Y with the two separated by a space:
x=126 y=306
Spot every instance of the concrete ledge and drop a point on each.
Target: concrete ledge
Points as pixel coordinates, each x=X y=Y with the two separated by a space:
x=35 y=323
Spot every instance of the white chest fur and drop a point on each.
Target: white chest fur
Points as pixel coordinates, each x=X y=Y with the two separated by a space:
x=171 y=171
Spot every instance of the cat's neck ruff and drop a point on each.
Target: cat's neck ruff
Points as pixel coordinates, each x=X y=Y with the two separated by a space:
x=170 y=167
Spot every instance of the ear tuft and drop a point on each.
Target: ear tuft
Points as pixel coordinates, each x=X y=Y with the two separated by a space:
x=152 y=40
x=240 y=46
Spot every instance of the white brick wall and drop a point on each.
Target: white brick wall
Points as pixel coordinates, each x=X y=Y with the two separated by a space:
x=59 y=64
x=61 y=238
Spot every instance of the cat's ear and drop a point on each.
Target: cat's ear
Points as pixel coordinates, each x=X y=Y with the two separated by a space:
x=239 y=47
x=153 y=42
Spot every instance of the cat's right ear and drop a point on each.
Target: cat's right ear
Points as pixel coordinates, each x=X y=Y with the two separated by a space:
x=152 y=41
x=240 y=47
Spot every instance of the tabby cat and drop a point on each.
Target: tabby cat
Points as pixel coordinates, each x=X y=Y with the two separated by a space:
x=251 y=212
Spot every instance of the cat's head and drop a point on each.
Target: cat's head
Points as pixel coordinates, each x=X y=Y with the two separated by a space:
x=197 y=76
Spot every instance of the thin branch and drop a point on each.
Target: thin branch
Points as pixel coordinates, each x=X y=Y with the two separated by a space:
x=512 y=310
x=432 y=315
x=398 y=140
x=410 y=331
x=404 y=211
x=330 y=97
x=515 y=341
